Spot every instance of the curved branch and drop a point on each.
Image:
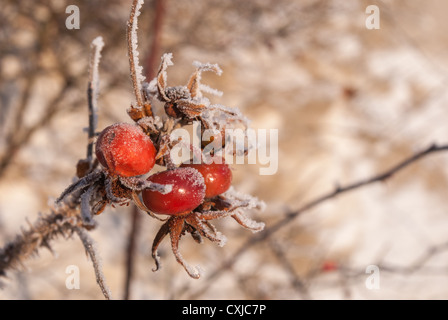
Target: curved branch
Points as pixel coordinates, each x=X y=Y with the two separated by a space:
x=92 y=92
x=268 y=232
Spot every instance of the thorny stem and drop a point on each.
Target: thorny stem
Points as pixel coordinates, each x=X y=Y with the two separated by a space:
x=268 y=232
x=38 y=235
x=63 y=221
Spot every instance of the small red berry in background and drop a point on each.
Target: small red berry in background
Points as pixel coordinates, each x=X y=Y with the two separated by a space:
x=125 y=150
x=217 y=177
x=188 y=191
x=329 y=265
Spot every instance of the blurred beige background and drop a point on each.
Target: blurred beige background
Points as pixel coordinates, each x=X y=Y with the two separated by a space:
x=348 y=103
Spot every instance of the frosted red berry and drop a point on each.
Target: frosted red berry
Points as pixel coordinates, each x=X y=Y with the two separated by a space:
x=188 y=191
x=125 y=150
x=217 y=177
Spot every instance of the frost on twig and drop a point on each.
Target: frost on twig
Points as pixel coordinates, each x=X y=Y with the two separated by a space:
x=136 y=70
x=97 y=45
x=134 y=183
x=194 y=84
x=91 y=249
x=249 y=201
x=244 y=202
x=92 y=92
x=80 y=184
x=60 y=222
x=86 y=212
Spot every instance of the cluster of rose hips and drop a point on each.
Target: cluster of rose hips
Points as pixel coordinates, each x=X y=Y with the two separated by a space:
x=125 y=150
x=191 y=195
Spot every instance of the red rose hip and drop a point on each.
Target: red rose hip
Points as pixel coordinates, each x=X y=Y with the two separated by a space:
x=217 y=177
x=125 y=150
x=188 y=191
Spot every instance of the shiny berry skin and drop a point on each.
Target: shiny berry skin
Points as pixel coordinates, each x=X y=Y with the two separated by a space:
x=217 y=177
x=188 y=191
x=125 y=150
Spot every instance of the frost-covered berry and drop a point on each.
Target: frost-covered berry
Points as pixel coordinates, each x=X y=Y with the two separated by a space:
x=188 y=191
x=125 y=150
x=217 y=177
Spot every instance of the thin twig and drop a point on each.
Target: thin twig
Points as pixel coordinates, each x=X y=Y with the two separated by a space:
x=94 y=256
x=135 y=68
x=92 y=92
x=418 y=264
x=268 y=232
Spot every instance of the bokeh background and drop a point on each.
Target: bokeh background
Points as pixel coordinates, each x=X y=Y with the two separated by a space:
x=348 y=103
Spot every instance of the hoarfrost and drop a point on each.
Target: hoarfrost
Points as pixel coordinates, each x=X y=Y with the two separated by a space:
x=150 y=88
x=191 y=174
x=211 y=233
x=248 y=223
x=194 y=84
x=194 y=272
x=245 y=202
x=134 y=54
x=162 y=75
x=185 y=147
x=218 y=116
x=232 y=113
x=92 y=250
x=86 y=213
x=206 y=88
x=136 y=183
x=97 y=45
x=162 y=188
x=207 y=67
x=167 y=60
x=155 y=123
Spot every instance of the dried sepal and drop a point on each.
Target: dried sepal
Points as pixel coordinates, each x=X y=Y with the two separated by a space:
x=80 y=184
x=86 y=213
x=162 y=75
x=194 y=84
x=142 y=206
